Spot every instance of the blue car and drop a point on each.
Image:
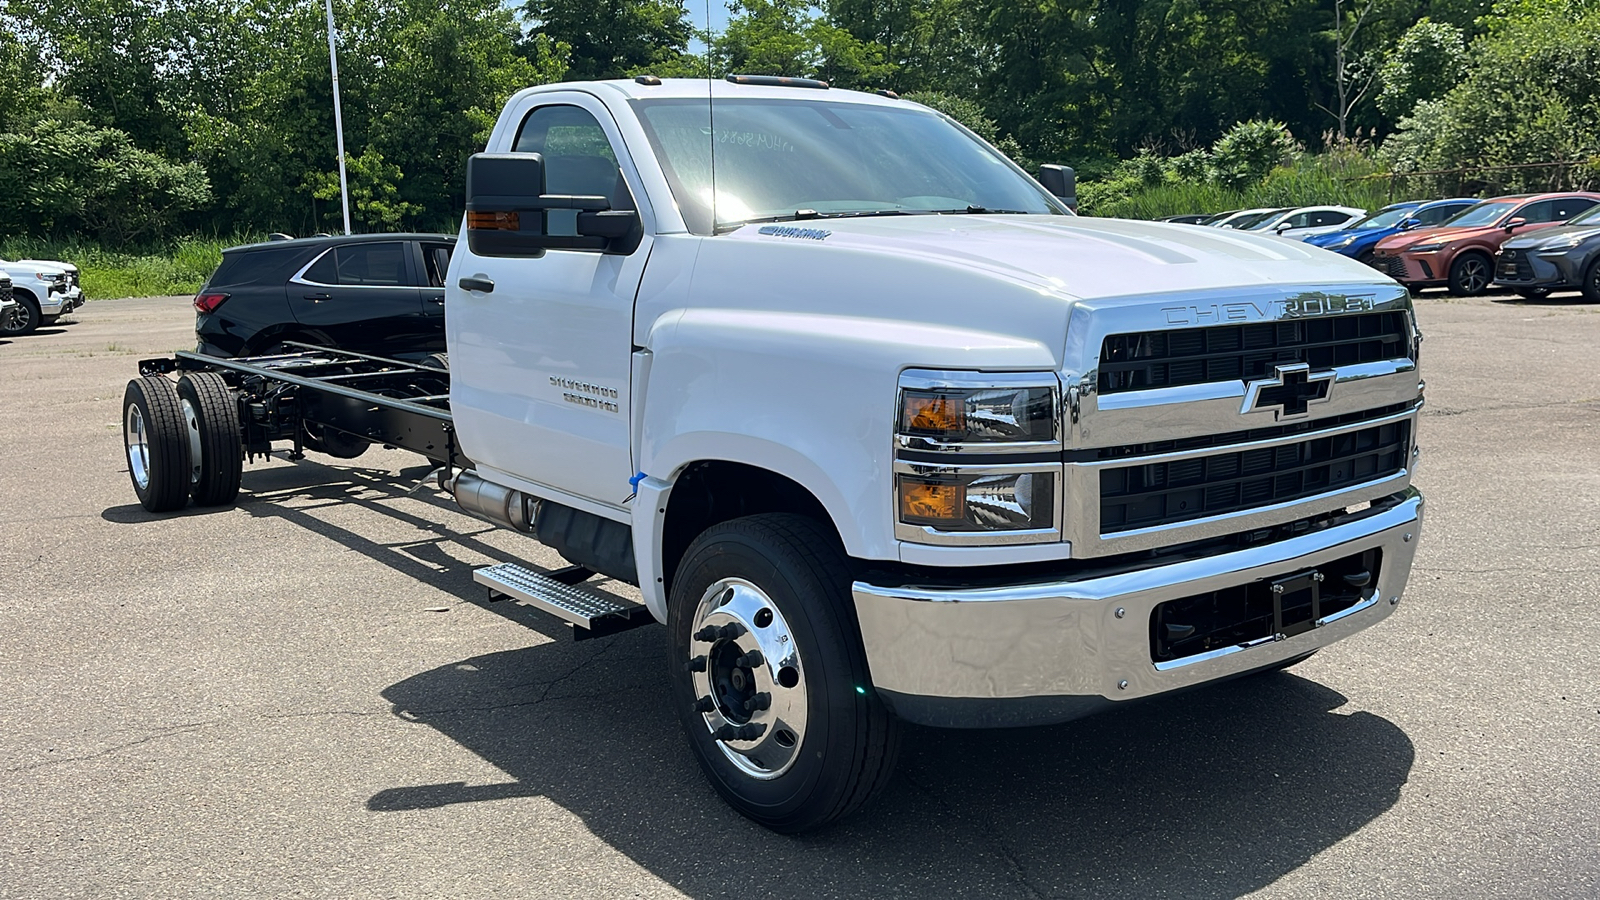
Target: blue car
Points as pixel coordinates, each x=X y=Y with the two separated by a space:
x=1356 y=241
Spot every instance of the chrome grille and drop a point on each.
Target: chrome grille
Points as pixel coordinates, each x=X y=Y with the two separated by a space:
x=1156 y=359
x=1163 y=493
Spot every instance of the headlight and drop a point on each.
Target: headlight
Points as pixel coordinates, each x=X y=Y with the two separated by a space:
x=1000 y=415
x=978 y=458
x=50 y=276
x=949 y=500
x=1425 y=248
x=1342 y=243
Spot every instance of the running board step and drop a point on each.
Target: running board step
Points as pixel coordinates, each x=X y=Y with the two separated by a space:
x=591 y=613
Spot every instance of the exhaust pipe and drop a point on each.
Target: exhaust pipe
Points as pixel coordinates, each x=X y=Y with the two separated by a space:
x=491 y=502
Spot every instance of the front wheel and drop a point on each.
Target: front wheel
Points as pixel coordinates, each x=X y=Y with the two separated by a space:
x=1591 y=282
x=769 y=676
x=1469 y=275
x=27 y=318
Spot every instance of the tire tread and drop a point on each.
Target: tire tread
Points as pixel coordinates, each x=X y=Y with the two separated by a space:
x=222 y=459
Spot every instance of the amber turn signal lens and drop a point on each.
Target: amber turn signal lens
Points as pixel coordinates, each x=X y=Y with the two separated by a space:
x=934 y=414
x=494 y=221
x=931 y=501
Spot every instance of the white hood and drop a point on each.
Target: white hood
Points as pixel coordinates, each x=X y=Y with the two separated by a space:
x=1085 y=258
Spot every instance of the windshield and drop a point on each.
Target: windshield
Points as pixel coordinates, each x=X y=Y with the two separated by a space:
x=1270 y=220
x=1383 y=218
x=1485 y=213
x=800 y=159
x=1244 y=223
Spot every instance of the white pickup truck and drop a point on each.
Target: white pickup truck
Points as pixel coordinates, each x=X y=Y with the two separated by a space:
x=880 y=430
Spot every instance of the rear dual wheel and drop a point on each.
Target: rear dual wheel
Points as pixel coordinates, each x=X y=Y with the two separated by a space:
x=769 y=676
x=182 y=441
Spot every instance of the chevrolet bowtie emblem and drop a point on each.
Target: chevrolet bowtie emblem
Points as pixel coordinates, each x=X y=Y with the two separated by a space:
x=1289 y=393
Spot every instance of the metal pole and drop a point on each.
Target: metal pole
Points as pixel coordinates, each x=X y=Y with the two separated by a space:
x=338 y=119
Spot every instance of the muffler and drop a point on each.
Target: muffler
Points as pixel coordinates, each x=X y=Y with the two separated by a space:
x=492 y=502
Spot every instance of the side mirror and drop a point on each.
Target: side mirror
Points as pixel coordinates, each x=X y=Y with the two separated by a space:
x=1061 y=182
x=1515 y=223
x=1281 y=227
x=1409 y=224
x=509 y=214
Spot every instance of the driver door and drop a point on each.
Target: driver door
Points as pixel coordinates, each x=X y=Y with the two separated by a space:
x=540 y=365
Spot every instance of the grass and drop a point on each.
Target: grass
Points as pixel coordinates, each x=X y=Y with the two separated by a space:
x=1340 y=179
x=176 y=268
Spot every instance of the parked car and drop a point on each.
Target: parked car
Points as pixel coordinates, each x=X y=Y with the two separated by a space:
x=45 y=290
x=1357 y=239
x=8 y=303
x=1560 y=258
x=1306 y=221
x=1215 y=218
x=372 y=293
x=1244 y=218
x=1185 y=220
x=1459 y=254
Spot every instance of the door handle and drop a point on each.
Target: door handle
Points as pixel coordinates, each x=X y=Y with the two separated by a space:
x=436 y=298
x=485 y=285
x=317 y=298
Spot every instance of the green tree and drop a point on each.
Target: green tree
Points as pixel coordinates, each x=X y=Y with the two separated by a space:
x=613 y=38
x=1428 y=61
x=791 y=37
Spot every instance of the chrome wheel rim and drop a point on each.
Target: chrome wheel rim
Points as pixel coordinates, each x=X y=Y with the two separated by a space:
x=739 y=697
x=191 y=427
x=138 y=448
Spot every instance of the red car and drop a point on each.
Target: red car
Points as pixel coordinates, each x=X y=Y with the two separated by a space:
x=1459 y=254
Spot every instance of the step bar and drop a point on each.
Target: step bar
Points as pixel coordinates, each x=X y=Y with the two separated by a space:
x=591 y=613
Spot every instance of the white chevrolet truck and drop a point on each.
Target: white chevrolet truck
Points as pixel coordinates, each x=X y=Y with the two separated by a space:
x=878 y=428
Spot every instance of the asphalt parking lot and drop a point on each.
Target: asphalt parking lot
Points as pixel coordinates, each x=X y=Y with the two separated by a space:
x=306 y=696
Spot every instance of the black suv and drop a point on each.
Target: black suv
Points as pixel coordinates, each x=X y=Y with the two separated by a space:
x=372 y=293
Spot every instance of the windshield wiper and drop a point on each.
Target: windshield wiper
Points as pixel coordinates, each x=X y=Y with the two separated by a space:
x=801 y=215
x=979 y=211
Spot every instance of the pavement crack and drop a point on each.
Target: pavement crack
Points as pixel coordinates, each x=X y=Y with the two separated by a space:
x=159 y=735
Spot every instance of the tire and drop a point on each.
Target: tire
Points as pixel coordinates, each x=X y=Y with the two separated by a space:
x=156 y=444
x=27 y=319
x=782 y=578
x=437 y=361
x=1364 y=257
x=1470 y=274
x=211 y=416
x=1591 y=282
x=1531 y=293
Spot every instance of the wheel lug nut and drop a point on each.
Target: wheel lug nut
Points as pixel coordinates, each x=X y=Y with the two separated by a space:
x=698 y=664
x=747 y=732
x=705 y=705
x=750 y=660
x=760 y=701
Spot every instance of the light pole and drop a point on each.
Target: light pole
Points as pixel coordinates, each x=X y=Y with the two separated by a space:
x=338 y=119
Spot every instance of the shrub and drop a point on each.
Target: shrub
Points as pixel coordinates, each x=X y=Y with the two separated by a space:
x=1249 y=151
x=1429 y=59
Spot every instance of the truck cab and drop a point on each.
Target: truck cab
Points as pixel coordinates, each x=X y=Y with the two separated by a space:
x=833 y=381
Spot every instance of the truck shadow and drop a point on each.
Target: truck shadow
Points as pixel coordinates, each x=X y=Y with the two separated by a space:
x=1213 y=793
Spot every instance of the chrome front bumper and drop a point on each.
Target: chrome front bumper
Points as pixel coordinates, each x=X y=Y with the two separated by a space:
x=1048 y=652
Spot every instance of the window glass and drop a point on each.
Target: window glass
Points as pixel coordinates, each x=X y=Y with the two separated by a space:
x=1385 y=218
x=323 y=271
x=1536 y=212
x=1567 y=207
x=777 y=157
x=1485 y=213
x=1438 y=214
x=437 y=259
x=372 y=264
x=1329 y=217
x=578 y=159
x=1300 y=220
x=247 y=267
